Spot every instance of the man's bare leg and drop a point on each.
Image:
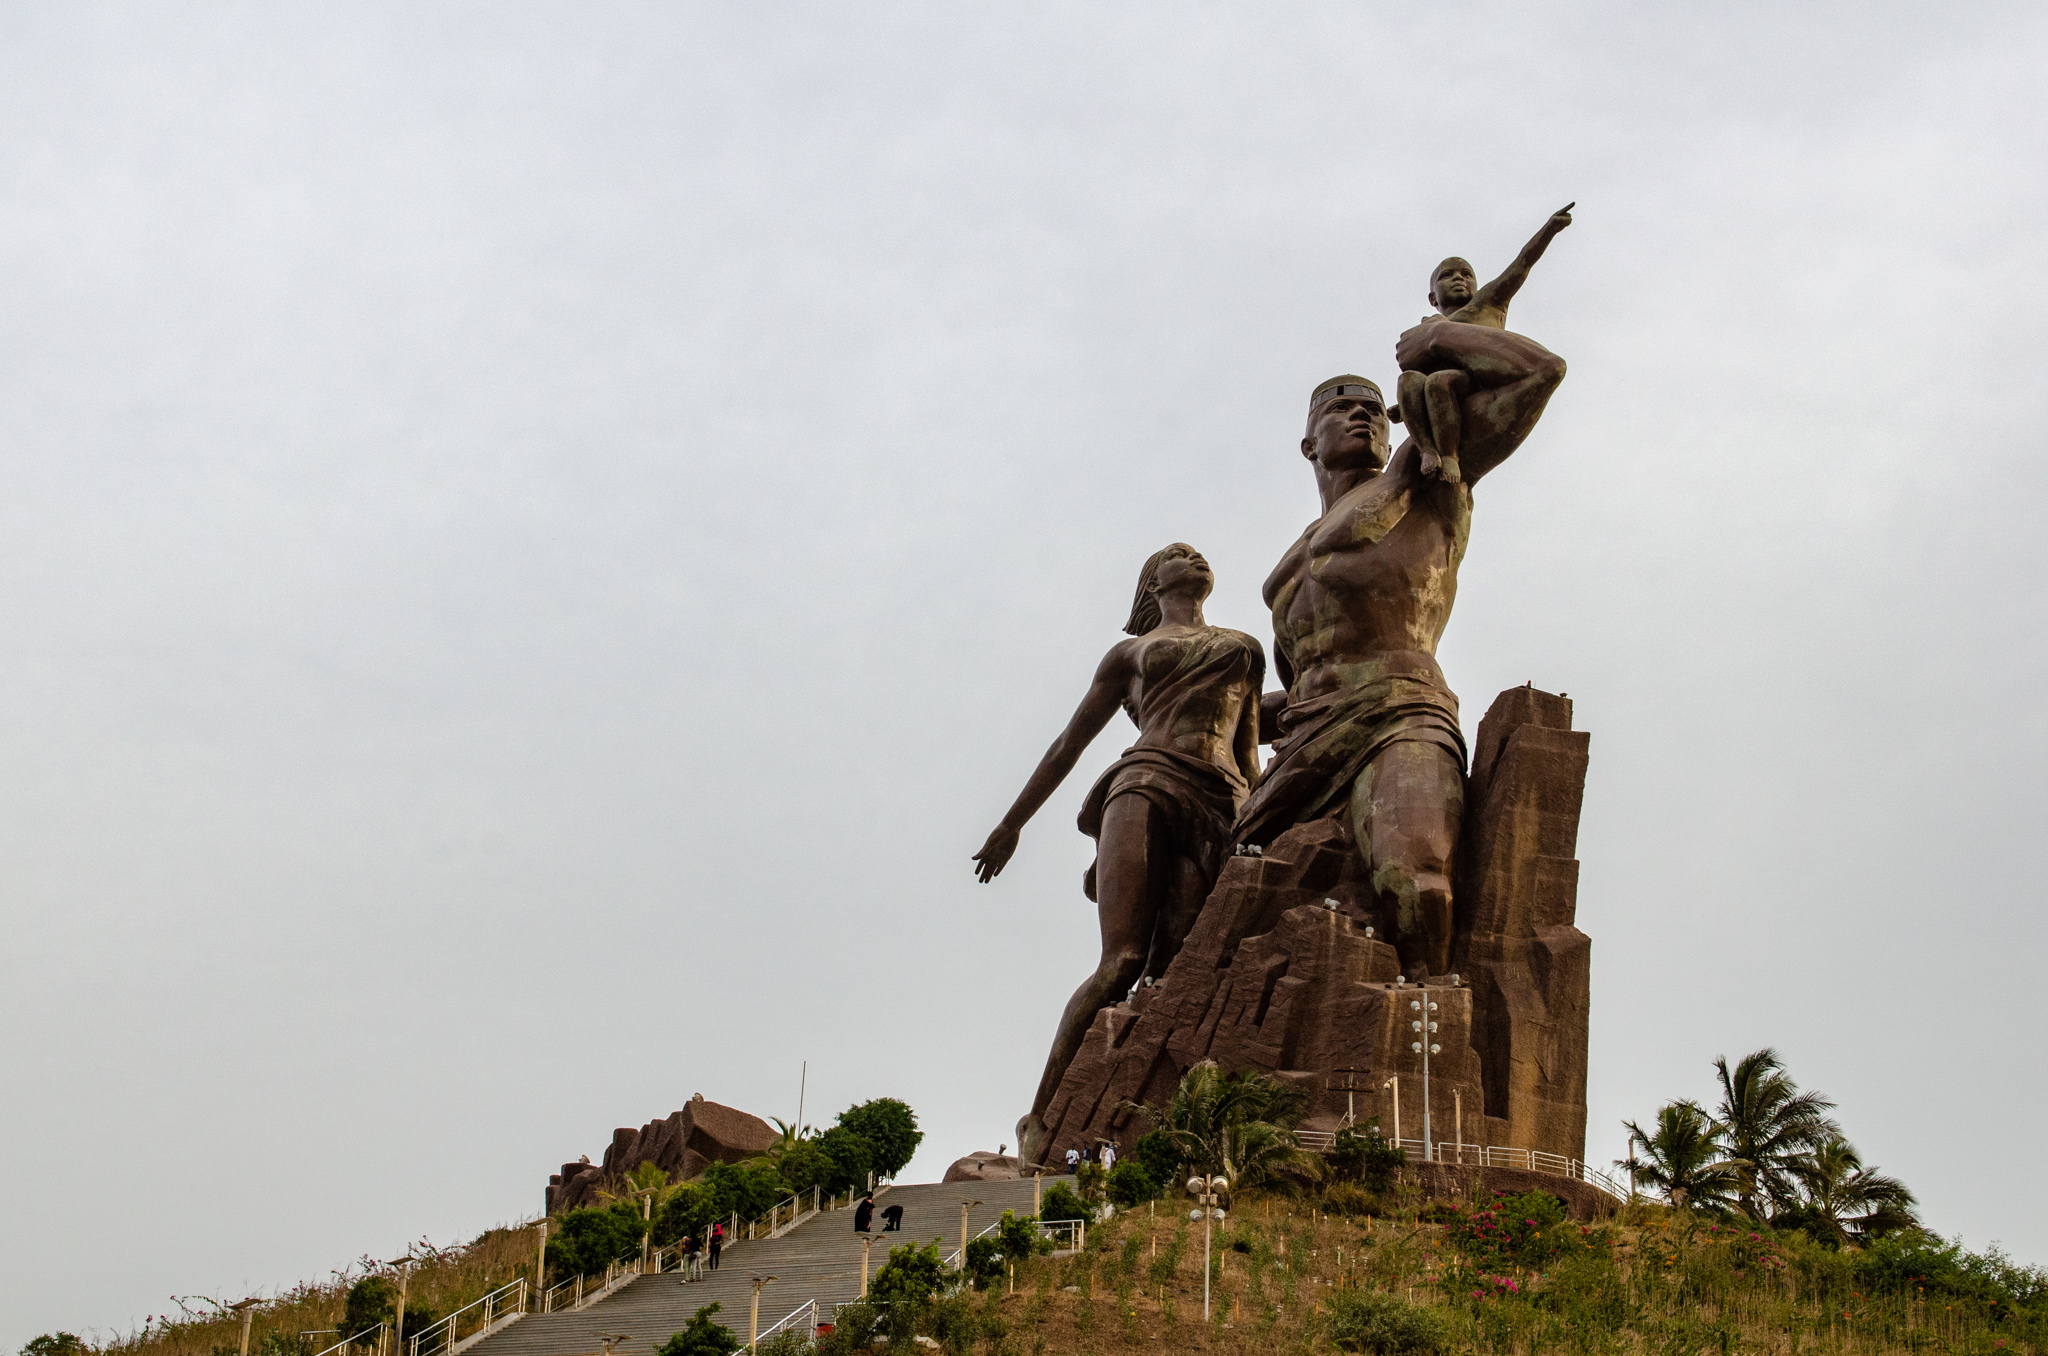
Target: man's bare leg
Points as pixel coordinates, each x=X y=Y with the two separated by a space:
x=1405 y=812
x=1133 y=862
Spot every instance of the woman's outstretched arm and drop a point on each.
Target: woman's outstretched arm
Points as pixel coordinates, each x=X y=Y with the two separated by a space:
x=1104 y=695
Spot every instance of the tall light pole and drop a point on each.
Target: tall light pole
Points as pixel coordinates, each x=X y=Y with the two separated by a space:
x=247 y=1309
x=1424 y=1026
x=1394 y=1082
x=867 y=1243
x=1207 y=1195
x=404 y=1266
x=540 y=1263
x=754 y=1319
x=966 y=1208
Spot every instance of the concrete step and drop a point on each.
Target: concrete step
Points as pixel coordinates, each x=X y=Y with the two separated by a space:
x=818 y=1260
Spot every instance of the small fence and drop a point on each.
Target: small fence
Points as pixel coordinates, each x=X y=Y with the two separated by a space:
x=1453 y=1154
x=497 y=1308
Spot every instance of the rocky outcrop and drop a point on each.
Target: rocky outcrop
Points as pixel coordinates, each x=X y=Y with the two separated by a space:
x=985 y=1167
x=682 y=1145
x=1287 y=971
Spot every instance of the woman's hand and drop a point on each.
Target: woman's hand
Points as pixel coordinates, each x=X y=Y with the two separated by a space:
x=995 y=853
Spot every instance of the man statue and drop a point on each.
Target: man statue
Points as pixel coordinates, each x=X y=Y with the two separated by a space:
x=1367 y=727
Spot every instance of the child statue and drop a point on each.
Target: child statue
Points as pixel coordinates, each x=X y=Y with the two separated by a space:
x=1430 y=397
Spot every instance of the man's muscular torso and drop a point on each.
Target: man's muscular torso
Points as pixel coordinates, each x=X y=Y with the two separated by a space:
x=1376 y=574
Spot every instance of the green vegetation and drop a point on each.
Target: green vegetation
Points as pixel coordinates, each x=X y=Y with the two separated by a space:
x=1060 y=1202
x=911 y=1276
x=702 y=1337
x=889 y=1127
x=1769 y=1154
x=588 y=1241
x=1238 y=1125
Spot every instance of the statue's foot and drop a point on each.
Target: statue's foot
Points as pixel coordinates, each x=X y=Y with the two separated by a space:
x=1031 y=1137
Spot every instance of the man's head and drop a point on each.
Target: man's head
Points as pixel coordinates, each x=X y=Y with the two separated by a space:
x=1452 y=285
x=1347 y=425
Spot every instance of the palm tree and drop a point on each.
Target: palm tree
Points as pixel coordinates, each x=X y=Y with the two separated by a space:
x=1770 y=1127
x=1682 y=1158
x=1845 y=1199
x=1239 y=1126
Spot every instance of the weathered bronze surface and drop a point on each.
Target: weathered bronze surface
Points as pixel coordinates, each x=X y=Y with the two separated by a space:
x=1162 y=814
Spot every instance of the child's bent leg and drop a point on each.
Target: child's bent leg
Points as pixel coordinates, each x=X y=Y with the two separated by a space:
x=1442 y=391
x=1415 y=414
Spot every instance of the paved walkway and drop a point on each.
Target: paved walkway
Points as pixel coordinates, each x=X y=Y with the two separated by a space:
x=819 y=1259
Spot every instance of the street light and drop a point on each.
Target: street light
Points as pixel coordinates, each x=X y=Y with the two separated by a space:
x=966 y=1207
x=867 y=1243
x=404 y=1266
x=540 y=1263
x=247 y=1309
x=1208 y=1208
x=1394 y=1082
x=754 y=1319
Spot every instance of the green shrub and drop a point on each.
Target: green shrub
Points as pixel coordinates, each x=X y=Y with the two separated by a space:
x=984 y=1261
x=1088 y=1181
x=289 y=1344
x=371 y=1301
x=1527 y=1231
x=1020 y=1237
x=851 y=1158
x=804 y=1165
x=1061 y=1203
x=689 y=1209
x=1351 y=1200
x=1154 y=1152
x=1910 y=1261
x=589 y=1240
x=54 y=1344
x=704 y=1337
x=1130 y=1184
x=1375 y=1322
x=911 y=1276
x=890 y=1128
x=853 y=1331
x=1366 y=1159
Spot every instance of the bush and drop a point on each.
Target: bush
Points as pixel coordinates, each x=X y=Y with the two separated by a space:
x=853 y=1331
x=704 y=1337
x=1088 y=1181
x=1019 y=1236
x=1130 y=1184
x=591 y=1239
x=890 y=1128
x=54 y=1344
x=1061 y=1203
x=1900 y=1262
x=1154 y=1152
x=1350 y=1199
x=371 y=1301
x=1366 y=1159
x=688 y=1210
x=984 y=1262
x=850 y=1157
x=1530 y=1231
x=743 y=1189
x=1376 y=1322
x=804 y=1165
x=911 y=1276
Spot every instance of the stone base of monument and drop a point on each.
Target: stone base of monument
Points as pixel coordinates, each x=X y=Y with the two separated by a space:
x=1280 y=975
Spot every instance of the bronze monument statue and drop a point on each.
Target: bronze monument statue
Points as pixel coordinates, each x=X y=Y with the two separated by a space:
x=1162 y=814
x=1369 y=861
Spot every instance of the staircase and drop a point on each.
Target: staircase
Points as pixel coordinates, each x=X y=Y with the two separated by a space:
x=817 y=1260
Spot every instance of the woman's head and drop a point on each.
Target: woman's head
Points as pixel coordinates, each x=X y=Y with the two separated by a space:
x=1176 y=568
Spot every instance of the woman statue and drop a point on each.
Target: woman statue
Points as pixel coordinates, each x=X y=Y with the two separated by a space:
x=1161 y=816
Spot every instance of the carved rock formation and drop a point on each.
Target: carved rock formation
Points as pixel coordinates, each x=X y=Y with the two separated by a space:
x=682 y=1144
x=985 y=1167
x=1286 y=972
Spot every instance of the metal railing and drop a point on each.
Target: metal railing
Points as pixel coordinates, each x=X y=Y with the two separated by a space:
x=787 y=1321
x=958 y=1257
x=1452 y=1154
x=1075 y=1231
x=372 y=1337
x=441 y=1336
x=616 y=1274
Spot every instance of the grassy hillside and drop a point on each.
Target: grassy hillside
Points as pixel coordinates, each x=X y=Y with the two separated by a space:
x=1287 y=1277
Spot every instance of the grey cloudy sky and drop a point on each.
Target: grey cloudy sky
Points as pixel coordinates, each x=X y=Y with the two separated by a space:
x=535 y=540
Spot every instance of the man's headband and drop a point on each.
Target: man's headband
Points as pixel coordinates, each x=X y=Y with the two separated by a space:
x=1345 y=386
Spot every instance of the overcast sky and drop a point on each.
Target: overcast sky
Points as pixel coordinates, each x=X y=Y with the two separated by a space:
x=535 y=541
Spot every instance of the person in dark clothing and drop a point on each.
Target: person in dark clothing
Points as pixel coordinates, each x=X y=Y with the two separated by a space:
x=717 y=1244
x=864 y=1214
x=892 y=1219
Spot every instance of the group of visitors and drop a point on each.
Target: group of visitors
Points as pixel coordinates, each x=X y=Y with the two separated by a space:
x=1103 y=1151
x=864 y=1216
x=701 y=1255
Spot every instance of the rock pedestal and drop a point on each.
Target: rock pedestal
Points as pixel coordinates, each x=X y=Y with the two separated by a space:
x=682 y=1144
x=1287 y=971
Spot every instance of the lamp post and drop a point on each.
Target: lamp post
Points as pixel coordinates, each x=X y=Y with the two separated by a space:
x=966 y=1208
x=540 y=1263
x=867 y=1243
x=404 y=1266
x=1424 y=1026
x=247 y=1309
x=754 y=1318
x=1394 y=1082
x=1350 y=1097
x=1207 y=1195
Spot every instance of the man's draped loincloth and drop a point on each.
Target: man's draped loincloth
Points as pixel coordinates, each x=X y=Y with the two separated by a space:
x=1326 y=741
x=1198 y=799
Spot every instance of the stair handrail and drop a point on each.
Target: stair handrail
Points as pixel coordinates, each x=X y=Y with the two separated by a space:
x=959 y=1255
x=450 y=1323
x=375 y=1334
x=809 y=1305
